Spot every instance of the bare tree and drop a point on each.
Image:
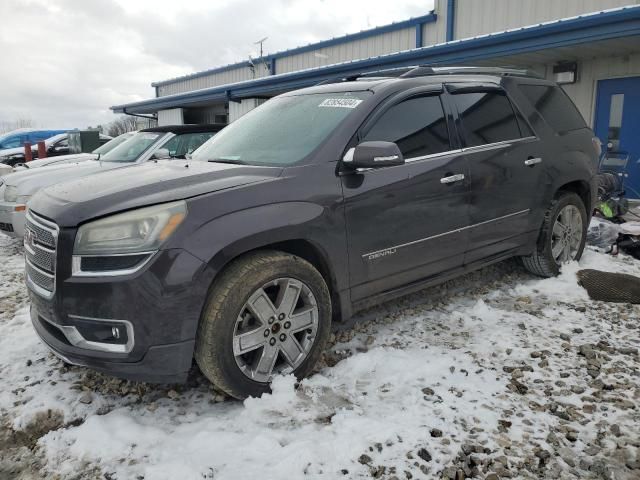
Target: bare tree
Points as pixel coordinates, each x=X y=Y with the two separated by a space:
x=7 y=126
x=123 y=124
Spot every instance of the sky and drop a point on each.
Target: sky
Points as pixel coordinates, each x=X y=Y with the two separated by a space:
x=63 y=63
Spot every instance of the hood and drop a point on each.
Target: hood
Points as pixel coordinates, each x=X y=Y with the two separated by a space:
x=29 y=181
x=5 y=170
x=59 y=160
x=8 y=152
x=74 y=202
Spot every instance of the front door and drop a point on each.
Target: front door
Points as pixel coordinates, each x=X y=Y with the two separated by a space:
x=404 y=222
x=616 y=124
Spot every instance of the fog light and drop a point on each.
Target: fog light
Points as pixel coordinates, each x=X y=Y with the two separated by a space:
x=101 y=331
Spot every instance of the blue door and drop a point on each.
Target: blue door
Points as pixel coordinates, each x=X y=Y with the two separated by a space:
x=617 y=125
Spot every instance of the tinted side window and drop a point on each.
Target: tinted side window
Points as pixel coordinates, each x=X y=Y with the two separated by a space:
x=487 y=117
x=417 y=125
x=555 y=107
x=182 y=144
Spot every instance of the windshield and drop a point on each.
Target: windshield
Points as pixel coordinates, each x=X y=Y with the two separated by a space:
x=111 y=144
x=282 y=131
x=131 y=149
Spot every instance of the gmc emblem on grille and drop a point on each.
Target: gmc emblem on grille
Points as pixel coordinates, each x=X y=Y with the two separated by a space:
x=29 y=238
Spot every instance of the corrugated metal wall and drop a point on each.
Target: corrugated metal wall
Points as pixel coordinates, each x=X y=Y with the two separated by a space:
x=368 y=47
x=475 y=17
x=436 y=32
x=384 y=43
x=221 y=78
x=172 y=116
x=238 y=109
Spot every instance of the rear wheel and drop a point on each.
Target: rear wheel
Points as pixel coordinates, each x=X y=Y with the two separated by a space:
x=268 y=314
x=562 y=236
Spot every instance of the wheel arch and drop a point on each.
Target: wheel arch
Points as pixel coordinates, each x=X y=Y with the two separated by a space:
x=580 y=187
x=300 y=247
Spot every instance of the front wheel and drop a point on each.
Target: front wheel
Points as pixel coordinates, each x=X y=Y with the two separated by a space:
x=562 y=236
x=269 y=313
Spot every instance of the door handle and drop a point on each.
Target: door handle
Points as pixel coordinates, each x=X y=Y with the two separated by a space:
x=452 y=178
x=530 y=162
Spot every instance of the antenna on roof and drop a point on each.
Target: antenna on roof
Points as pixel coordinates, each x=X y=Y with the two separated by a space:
x=261 y=42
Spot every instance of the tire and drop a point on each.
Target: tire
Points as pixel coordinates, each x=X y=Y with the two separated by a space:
x=237 y=311
x=542 y=261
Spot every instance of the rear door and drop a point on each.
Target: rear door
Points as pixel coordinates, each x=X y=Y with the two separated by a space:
x=505 y=166
x=403 y=222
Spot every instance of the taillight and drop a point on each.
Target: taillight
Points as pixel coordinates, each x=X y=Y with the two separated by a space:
x=597 y=144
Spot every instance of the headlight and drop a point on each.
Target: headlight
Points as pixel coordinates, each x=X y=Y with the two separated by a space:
x=10 y=193
x=137 y=231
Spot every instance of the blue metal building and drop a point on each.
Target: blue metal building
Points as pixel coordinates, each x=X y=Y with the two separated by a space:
x=592 y=47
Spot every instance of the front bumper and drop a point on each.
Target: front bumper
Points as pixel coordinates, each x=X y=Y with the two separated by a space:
x=12 y=220
x=161 y=303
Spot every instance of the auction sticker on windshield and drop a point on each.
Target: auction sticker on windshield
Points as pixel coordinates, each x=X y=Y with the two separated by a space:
x=341 y=102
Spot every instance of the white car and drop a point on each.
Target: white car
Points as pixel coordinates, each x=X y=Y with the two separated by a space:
x=6 y=169
x=153 y=143
x=74 y=157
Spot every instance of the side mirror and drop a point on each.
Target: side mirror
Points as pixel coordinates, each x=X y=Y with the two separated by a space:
x=373 y=155
x=161 y=154
x=60 y=150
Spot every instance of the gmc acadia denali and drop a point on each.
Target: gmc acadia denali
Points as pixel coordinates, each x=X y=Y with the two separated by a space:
x=316 y=204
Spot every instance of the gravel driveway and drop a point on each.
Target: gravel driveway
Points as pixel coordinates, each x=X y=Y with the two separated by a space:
x=494 y=375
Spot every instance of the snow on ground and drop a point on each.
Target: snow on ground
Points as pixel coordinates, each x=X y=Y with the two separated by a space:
x=494 y=375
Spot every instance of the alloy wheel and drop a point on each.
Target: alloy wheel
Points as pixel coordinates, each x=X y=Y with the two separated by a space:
x=276 y=329
x=566 y=235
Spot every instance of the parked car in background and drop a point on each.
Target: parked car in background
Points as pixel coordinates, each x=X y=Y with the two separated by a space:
x=56 y=145
x=74 y=157
x=316 y=204
x=153 y=143
x=5 y=169
x=17 y=138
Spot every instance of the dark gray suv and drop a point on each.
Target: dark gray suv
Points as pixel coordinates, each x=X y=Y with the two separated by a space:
x=314 y=205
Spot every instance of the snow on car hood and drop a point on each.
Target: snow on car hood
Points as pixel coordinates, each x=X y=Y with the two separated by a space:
x=73 y=202
x=29 y=181
x=7 y=152
x=57 y=160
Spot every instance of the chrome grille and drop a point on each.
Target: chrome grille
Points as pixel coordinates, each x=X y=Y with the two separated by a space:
x=40 y=278
x=45 y=235
x=40 y=242
x=43 y=258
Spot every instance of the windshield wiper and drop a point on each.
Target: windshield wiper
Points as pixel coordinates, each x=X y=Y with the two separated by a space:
x=227 y=160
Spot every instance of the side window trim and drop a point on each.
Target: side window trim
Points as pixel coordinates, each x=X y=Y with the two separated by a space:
x=497 y=145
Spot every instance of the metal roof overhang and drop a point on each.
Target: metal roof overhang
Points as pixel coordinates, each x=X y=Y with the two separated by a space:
x=566 y=35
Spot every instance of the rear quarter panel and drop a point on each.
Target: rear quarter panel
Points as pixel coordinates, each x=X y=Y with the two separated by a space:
x=567 y=156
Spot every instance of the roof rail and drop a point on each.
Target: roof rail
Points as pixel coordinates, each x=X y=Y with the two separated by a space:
x=348 y=78
x=425 y=70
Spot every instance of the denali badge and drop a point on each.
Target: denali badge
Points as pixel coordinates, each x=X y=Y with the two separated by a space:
x=381 y=253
